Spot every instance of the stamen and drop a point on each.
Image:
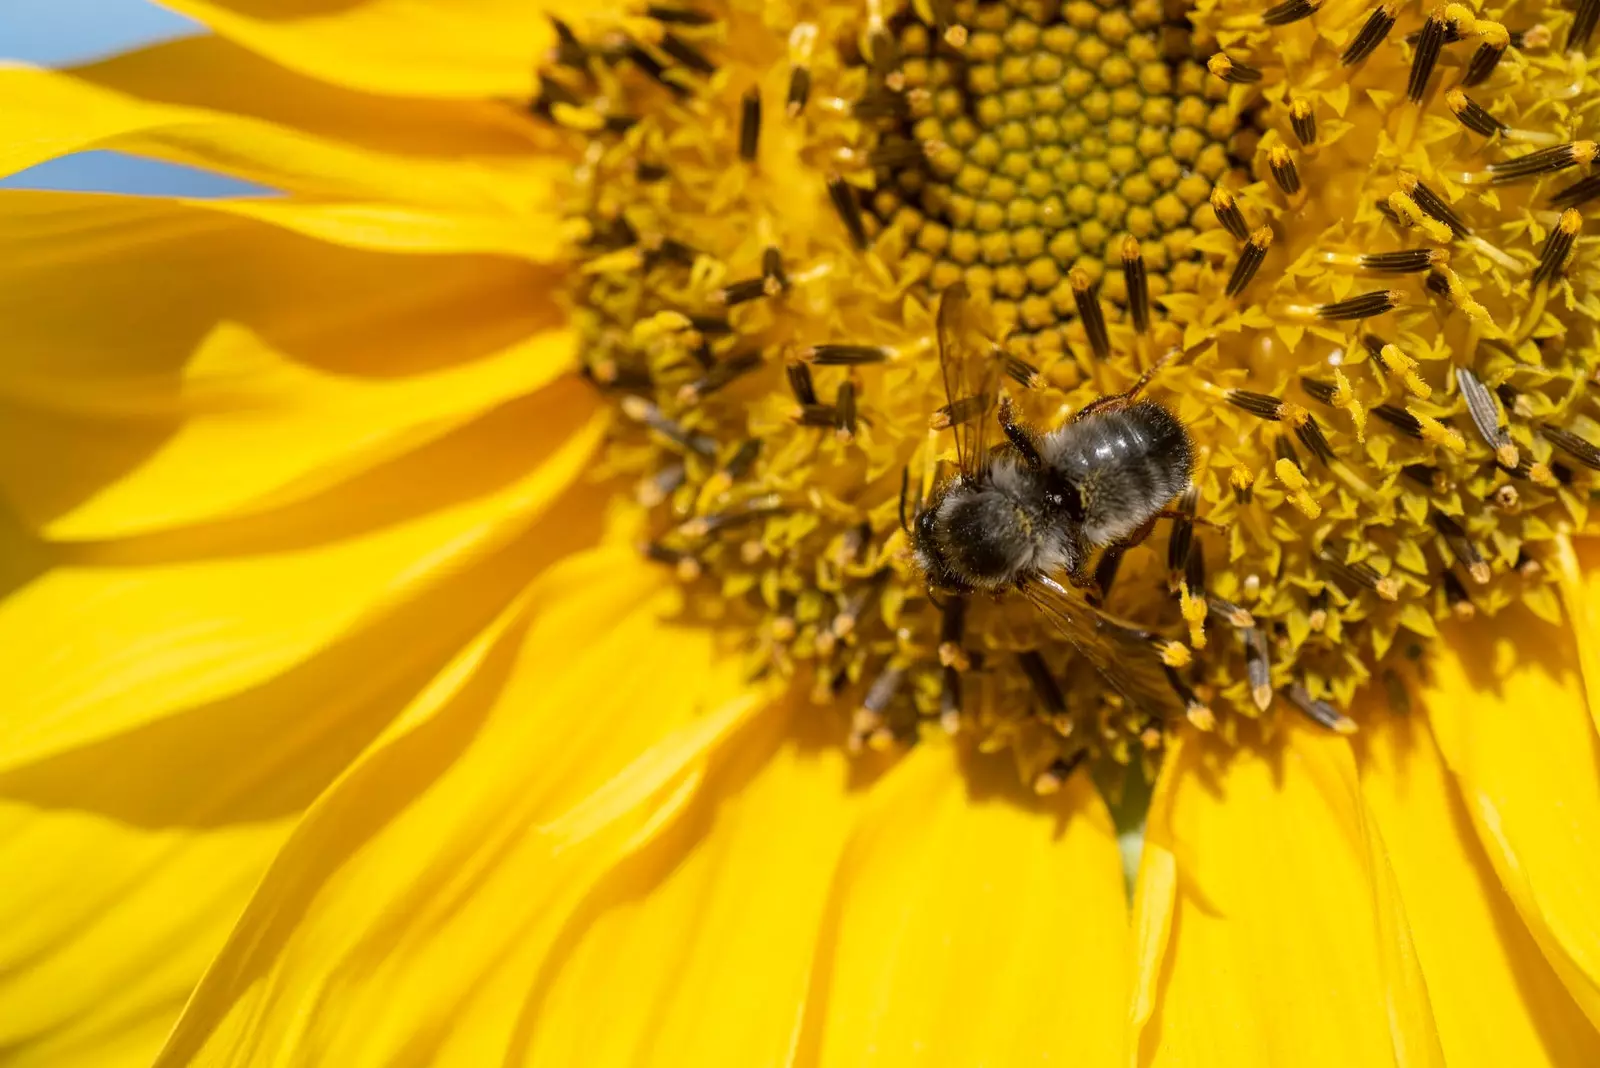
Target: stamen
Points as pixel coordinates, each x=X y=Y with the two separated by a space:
x=1437 y=433
x=1583 y=22
x=1472 y=114
x=1182 y=537
x=1494 y=40
x=1430 y=479
x=1281 y=163
x=961 y=411
x=1022 y=372
x=1405 y=212
x=720 y=375
x=686 y=54
x=1308 y=431
x=1362 y=574
x=1228 y=214
x=1545 y=161
x=843 y=195
x=843 y=355
x=1257 y=404
x=1289 y=11
x=1486 y=417
x=1431 y=203
x=1232 y=614
x=1400 y=419
x=1243 y=482
x=1371 y=34
x=816 y=415
x=1196 y=711
x=655 y=489
x=1580 y=450
x=1402 y=261
x=772 y=271
x=1087 y=298
x=1447 y=283
x=1557 y=246
x=844 y=403
x=750 y=124
x=741 y=292
x=802 y=41
x=1258 y=667
x=1232 y=71
x=643 y=411
x=682 y=16
x=1319 y=711
x=1426 y=55
x=1578 y=193
x=1054 y=777
x=1137 y=284
x=1250 y=259
x=1461 y=546
x=1455 y=595
x=1303 y=121
x=687 y=568
x=1363 y=306
x=950 y=700
x=952 y=627
x=1045 y=687
x=1294 y=480
x=870 y=717
x=800 y=383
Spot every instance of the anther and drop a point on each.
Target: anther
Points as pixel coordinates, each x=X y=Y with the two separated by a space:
x=1294 y=480
x=1472 y=114
x=850 y=613
x=1234 y=615
x=1429 y=478
x=1360 y=307
x=685 y=566
x=720 y=375
x=1243 y=482
x=1462 y=547
x=1258 y=667
x=1022 y=372
x=686 y=54
x=1250 y=259
x=1289 y=11
x=1053 y=778
x=749 y=124
x=1371 y=34
x=843 y=195
x=844 y=403
x=1493 y=40
x=1578 y=193
x=869 y=718
x=1553 y=257
x=1308 y=431
x=1089 y=310
x=1583 y=22
x=816 y=415
x=1485 y=414
x=1545 y=161
x=1404 y=261
x=1507 y=499
x=1431 y=203
x=1045 y=687
x=1362 y=574
x=963 y=410
x=655 y=489
x=1228 y=213
x=952 y=627
x=1303 y=121
x=1426 y=55
x=843 y=355
x=896 y=154
x=1455 y=596
x=681 y=16
x=1181 y=539
x=1232 y=71
x=1196 y=711
x=1257 y=404
x=1284 y=172
x=1446 y=283
x=802 y=41
x=1400 y=419
x=950 y=701
x=741 y=292
x=1319 y=711
x=772 y=271
x=1137 y=284
x=1574 y=446
x=643 y=411
x=800 y=383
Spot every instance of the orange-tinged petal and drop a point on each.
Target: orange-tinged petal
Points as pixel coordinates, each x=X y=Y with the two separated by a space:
x=971 y=926
x=1508 y=711
x=1286 y=943
x=1495 y=999
x=258 y=430
x=100 y=392
x=448 y=48
x=409 y=914
x=56 y=114
x=129 y=633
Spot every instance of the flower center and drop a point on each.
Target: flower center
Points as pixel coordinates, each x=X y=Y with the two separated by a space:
x=1377 y=349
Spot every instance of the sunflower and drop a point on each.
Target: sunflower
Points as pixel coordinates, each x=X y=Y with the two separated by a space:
x=460 y=610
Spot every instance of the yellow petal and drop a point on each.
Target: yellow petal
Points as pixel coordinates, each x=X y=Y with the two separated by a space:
x=968 y=925
x=258 y=430
x=1495 y=999
x=131 y=633
x=128 y=859
x=1507 y=707
x=1577 y=566
x=409 y=915
x=354 y=336
x=1285 y=943
x=449 y=48
x=57 y=114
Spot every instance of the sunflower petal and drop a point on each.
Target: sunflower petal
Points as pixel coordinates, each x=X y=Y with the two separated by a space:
x=130 y=633
x=354 y=336
x=973 y=922
x=1285 y=944
x=446 y=48
x=1577 y=565
x=1495 y=999
x=409 y=914
x=1508 y=711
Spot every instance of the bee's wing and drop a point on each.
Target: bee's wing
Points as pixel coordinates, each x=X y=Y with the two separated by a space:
x=971 y=376
x=1121 y=652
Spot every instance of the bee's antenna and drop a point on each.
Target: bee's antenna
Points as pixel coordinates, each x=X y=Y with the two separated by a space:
x=905 y=491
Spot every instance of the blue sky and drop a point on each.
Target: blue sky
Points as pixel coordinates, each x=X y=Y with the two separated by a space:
x=55 y=32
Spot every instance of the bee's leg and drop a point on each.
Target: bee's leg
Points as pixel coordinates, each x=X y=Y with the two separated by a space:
x=1021 y=437
x=1114 y=401
x=1105 y=573
x=1173 y=513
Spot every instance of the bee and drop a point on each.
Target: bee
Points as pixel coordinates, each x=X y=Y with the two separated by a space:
x=1031 y=518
